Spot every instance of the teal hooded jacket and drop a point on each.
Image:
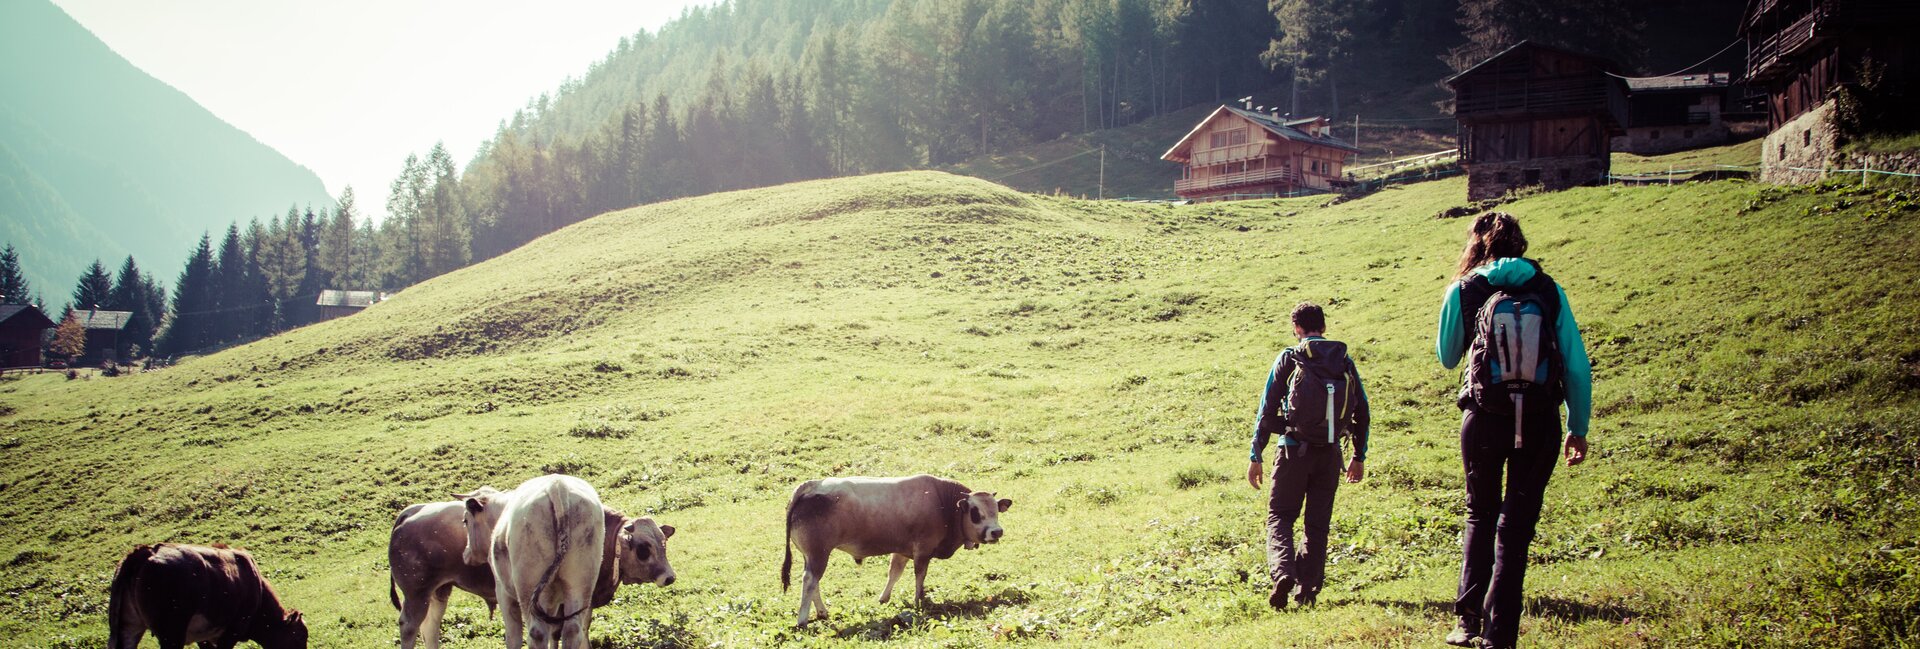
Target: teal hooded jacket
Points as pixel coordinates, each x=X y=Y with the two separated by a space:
x=1513 y=271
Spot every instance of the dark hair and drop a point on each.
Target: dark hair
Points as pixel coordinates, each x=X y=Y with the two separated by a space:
x=1494 y=235
x=1309 y=317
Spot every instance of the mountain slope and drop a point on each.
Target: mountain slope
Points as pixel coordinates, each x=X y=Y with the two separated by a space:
x=1752 y=480
x=140 y=167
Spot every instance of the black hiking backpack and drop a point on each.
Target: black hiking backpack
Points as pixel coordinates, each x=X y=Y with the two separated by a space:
x=1514 y=363
x=1318 y=393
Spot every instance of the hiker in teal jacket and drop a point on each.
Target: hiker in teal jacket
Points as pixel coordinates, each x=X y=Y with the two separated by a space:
x=1500 y=526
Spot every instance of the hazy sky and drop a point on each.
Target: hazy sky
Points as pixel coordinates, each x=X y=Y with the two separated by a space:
x=350 y=87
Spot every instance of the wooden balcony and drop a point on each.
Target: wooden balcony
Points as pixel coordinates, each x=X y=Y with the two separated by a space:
x=1237 y=179
x=1764 y=54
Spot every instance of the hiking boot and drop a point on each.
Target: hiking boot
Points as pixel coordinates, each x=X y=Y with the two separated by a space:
x=1465 y=633
x=1277 y=598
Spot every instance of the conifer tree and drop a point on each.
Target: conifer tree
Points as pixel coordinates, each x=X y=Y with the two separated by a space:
x=94 y=290
x=189 y=326
x=13 y=280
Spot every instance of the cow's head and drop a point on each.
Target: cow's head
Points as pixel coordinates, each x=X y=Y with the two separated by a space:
x=483 y=511
x=980 y=518
x=643 y=552
x=289 y=632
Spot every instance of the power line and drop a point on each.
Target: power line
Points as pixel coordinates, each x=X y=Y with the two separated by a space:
x=1702 y=62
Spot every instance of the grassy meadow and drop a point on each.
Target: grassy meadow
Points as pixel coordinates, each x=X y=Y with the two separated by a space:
x=1756 y=441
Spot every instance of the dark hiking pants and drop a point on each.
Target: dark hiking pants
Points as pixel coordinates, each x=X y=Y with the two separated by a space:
x=1500 y=525
x=1301 y=475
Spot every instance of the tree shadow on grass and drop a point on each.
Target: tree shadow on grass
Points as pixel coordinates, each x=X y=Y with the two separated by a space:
x=1558 y=608
x=975 y=607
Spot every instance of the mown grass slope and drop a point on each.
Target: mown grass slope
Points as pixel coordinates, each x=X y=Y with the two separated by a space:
x=1757 y=353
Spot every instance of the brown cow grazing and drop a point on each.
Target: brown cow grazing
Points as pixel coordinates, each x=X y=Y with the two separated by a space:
x=424 y=554
x=194 y=593
x=920 y=518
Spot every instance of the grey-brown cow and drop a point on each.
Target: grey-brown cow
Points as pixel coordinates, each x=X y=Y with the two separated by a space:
x=920 y=517
x=424 y=554
x=212 y=595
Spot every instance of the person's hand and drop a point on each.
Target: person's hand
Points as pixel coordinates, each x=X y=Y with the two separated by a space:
x=1356 y=470
x=1576 y=450
x=1253 y=474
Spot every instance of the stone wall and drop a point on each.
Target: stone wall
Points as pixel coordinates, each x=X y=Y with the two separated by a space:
x=1492 y=179
x=1808 y=142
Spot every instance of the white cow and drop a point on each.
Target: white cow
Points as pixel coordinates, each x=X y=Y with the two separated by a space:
x=543 y=541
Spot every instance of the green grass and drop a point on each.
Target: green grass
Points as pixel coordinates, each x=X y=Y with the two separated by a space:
x=1885 y=143
x=1739 y=154
x=1757 y=354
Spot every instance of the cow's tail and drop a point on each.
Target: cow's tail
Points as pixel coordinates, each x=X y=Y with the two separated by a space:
x=564 y=525
x=804 y=504
x=120 y=595
x=393 y=592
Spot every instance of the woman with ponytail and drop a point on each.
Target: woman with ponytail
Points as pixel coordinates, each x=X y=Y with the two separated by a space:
x=1517 y=440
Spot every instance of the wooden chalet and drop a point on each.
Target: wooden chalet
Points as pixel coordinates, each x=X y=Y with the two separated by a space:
x=103 y=334
x=1800 y=51
x=1235 y=151
x=1676 y=113
x=1537 y=115
x=333 y=303
x=21 y=328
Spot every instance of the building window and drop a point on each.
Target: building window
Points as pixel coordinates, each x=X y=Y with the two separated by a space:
x=1806 y=137
x=1237 y=136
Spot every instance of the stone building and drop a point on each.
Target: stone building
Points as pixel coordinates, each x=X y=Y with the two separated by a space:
x=1803 y=52
x=1676 y=113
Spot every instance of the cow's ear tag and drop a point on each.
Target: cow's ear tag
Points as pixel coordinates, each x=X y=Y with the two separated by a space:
x=1006 y=504
x=666 y=531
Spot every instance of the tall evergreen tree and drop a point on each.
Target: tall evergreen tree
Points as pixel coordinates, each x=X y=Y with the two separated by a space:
x=190 y=326
x=94 y=290
x=13 y=280
x=335 y=259
x=130 y=288
x=1607 y=28
x=232 y=311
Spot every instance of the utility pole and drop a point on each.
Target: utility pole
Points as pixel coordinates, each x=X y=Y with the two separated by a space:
x=1356 y=131
x=1102 y=190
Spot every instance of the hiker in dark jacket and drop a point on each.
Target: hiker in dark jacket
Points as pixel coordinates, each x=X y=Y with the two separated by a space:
x=1312 y=400
x=1518 y=439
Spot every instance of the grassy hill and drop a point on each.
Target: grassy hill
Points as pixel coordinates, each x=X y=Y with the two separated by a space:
x=1757 y=353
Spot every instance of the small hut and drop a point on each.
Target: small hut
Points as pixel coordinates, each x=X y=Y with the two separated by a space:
x=103 y=334
x=21 y=328
x=333 y=303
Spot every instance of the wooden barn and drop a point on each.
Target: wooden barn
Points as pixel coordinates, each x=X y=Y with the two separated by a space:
x=1236 y=151
x=103 y=334
x=333 y=304
x=1800 y=51
x=21 y=328
x=1537 y=115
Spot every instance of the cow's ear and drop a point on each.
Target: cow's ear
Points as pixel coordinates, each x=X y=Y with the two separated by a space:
x=963 y=505
x=631 y=524
x=666 y=531
x=476 y=505
x=1006 y=504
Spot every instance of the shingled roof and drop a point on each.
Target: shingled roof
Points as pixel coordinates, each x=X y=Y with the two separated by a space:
x=357 y=299
x=1282 y=128
x=104 y=320
x=27 y=312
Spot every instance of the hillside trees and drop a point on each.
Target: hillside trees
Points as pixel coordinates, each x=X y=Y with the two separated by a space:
x=191 y=323
x=1606 y=28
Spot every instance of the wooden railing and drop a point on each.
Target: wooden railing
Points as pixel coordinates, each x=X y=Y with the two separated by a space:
x=1238 y=179
x=1770 y=50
